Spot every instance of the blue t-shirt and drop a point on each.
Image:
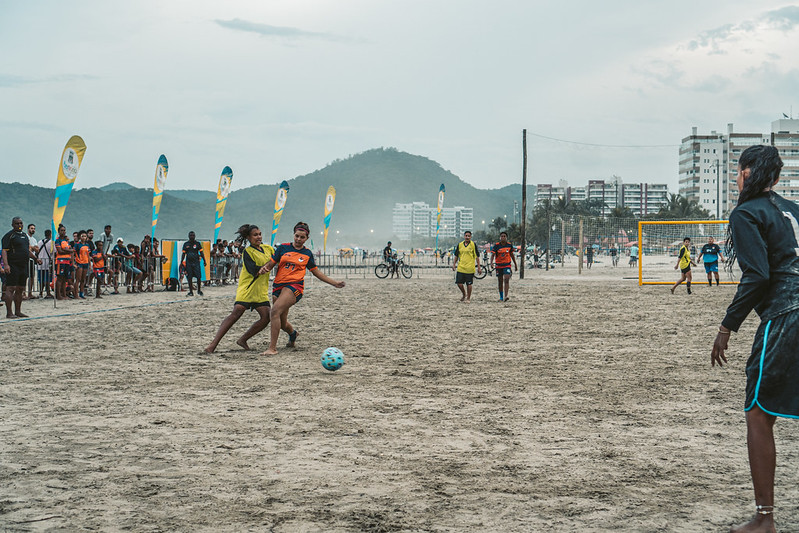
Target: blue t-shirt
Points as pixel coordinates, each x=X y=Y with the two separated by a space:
x=710 y=253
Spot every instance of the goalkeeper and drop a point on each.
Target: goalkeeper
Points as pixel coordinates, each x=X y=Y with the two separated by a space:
x=712 y=254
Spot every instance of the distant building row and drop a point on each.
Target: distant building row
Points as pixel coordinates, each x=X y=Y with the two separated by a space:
x=419 y=219
x=641 y=198
x=709 y=164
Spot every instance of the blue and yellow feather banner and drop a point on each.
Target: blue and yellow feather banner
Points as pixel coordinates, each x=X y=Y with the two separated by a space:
x=161 y=169
x=330 y=200
x=280 y=204
x=221 y=199
x=440 y=207
x=71 y=158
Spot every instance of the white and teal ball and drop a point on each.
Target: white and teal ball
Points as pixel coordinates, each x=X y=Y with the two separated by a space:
x=332 y=359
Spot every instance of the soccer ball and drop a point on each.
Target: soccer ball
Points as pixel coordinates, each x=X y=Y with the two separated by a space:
x=332 y=359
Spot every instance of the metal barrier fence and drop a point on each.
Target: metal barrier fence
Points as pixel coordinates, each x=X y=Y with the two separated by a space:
x=144 y=274
x=356 y=265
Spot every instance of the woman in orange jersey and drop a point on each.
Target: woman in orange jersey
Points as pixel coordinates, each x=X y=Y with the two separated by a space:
x=82 y=260
x=292 y=260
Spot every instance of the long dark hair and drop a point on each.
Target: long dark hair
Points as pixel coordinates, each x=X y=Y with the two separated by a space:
x=764 y=166
x=245 y=230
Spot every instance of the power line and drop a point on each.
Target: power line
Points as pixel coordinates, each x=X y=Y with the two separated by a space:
x=605 y=145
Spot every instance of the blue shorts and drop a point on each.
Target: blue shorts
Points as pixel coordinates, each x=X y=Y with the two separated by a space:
x=712 y=267
x=503 y=271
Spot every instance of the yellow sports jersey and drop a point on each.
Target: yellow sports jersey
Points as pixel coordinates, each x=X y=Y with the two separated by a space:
x=254 y=288
x=467 y=255
x=685 y=257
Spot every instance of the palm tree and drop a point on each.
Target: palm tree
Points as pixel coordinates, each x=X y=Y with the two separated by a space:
x=679 y=207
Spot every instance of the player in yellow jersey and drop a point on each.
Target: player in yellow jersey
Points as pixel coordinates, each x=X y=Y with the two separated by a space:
x=253 y=291
x=684 y=263
x=466 y=259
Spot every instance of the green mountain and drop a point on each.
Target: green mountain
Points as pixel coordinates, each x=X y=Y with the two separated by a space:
x=367 y=187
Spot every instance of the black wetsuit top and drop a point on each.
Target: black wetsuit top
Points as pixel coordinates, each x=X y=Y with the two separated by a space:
x=766 y=238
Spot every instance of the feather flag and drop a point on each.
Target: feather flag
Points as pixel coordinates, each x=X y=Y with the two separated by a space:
x=280 y=204
x=330 y=199
x=158 y=189
x=440 y=207
x=221 y=198
x=71 y=158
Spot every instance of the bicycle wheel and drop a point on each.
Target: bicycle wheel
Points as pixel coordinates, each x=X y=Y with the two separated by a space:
x=381 y=271
x=407 y=271
x=480 y=274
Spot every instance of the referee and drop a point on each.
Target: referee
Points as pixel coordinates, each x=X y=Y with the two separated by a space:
x=16 y=252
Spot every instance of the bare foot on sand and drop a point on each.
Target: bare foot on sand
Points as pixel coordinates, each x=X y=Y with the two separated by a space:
x=270 y=351
x=243 y=344
x=21 y=315
x=209 y=350
x=759 y=524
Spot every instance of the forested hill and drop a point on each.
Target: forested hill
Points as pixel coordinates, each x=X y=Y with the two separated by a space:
x=367 y=187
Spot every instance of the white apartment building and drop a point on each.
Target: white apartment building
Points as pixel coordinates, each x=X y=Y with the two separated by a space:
x=640 y=198
x=419 y=219
x=709 y=164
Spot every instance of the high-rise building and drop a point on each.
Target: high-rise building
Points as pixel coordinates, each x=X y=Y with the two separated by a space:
x=709 y=164
x=419 y=219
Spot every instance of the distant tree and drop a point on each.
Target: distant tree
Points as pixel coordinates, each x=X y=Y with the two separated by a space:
x=621 y=212
x=498 y=224
x=679 y=207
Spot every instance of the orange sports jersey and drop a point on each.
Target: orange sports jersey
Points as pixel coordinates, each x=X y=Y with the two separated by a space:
x=503 y=254
x=292 y=263
x=82 y=252
x=98 y=259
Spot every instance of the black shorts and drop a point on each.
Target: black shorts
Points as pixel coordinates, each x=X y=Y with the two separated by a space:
x=686 y=269
x=463 y=278
x=64 y=270
x=193 y=270
x=772 y=370
x=18 y=275
x=251 y=306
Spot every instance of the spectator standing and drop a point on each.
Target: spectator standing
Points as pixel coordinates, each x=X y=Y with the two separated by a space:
x=192 y=254
x=63 y=263
x=45 y=254
x=82 y=262
x=34 y=247
x=98 y=266
x=16 y=253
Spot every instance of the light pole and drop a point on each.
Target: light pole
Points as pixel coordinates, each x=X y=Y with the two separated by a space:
x=549 y=229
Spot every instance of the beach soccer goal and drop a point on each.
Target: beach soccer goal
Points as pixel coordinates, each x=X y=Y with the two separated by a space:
x=659 y=243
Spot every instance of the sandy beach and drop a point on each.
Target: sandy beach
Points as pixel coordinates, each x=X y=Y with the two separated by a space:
x=585 y=403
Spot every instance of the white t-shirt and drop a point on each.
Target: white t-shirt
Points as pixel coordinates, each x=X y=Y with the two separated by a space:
x=45 y=253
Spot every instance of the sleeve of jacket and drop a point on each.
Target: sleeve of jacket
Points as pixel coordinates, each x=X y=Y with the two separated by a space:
x=752 y=253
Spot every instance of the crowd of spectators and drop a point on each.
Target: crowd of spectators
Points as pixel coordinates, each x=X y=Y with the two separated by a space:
x=87 y=265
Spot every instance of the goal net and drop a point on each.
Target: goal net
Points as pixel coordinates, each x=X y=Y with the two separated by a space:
x=659 y=243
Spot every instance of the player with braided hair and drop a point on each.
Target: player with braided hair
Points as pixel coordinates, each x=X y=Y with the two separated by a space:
x=763 y=235
x=253 y=290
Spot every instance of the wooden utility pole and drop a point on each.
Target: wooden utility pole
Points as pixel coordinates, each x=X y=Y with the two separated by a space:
x=524 y=205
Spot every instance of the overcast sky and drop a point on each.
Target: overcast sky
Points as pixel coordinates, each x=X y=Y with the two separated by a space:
x=277 y=89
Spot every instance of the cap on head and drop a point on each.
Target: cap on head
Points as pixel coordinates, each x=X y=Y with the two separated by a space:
x=120 y=239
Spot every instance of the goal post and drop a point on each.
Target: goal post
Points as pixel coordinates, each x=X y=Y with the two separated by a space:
x=659 y=242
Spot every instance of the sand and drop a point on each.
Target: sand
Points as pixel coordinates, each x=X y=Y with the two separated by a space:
x=582 y=404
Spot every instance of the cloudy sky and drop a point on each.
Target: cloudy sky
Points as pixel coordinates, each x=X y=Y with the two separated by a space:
x=279 y=88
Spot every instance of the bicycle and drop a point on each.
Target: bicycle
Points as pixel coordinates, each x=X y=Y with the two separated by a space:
x=484 y=270
x=384 y=269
